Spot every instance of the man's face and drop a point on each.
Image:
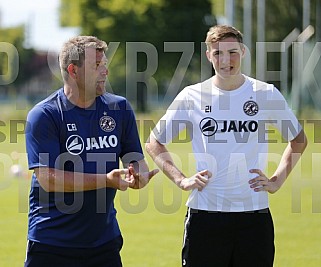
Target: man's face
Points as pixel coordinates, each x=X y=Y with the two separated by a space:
x=225 y=57
x=93 y=73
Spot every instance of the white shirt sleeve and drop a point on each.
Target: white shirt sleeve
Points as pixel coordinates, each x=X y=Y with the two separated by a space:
x=282 y=116
x=175 y=119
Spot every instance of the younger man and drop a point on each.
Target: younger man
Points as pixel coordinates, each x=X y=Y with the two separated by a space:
x=228 y=222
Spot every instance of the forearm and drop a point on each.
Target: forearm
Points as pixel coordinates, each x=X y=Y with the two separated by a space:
x=164 y=161
x=289 y=159
x=54 y=180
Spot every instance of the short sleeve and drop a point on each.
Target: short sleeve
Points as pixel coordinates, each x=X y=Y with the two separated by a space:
x=282 y=115
x=174 y=120
x=42 y=139
x=131 y=147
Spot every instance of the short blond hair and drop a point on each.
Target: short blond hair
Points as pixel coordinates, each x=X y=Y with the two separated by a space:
x=73 y=51
x=220 y=32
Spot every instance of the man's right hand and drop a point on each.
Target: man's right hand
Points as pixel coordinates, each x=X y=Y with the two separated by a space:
x=197 y=181
x=118 y=179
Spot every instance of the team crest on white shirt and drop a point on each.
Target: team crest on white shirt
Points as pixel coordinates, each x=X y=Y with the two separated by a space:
x=107 y=123
x=250 y=108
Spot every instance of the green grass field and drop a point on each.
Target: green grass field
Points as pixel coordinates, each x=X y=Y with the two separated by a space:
x=152 y=219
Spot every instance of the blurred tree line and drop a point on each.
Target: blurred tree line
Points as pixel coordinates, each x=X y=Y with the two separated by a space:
x=24 y=72
x=159 y=21
x=145 y=61
x=14 y=38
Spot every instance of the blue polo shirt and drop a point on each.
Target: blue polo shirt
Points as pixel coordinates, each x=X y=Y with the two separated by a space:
x=63 y=136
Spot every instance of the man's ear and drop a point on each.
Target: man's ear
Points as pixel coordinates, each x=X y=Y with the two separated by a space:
x=208 y=56
x=243 y=51
x=72 y=70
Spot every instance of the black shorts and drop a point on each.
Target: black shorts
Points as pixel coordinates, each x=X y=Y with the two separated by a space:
x=228 y=239
x=42 y=255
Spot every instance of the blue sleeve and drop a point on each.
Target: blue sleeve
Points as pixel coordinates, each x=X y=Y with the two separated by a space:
x=42 y=139
x=131 y=146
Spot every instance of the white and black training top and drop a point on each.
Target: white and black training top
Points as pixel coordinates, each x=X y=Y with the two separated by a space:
x=229 y=131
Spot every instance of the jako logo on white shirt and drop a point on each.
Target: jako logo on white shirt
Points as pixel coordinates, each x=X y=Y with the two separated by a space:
x=75 y=144
x=210 y=126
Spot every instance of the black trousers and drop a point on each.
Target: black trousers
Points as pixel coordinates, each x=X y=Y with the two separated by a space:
x=42 y=255
x=228 y=239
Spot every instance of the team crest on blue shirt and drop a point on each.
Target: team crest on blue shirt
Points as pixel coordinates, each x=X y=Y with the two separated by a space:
x=250 y=108
x=107 y=123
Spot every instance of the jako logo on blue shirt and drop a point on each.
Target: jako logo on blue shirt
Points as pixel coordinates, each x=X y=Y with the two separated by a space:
x=75 y=144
